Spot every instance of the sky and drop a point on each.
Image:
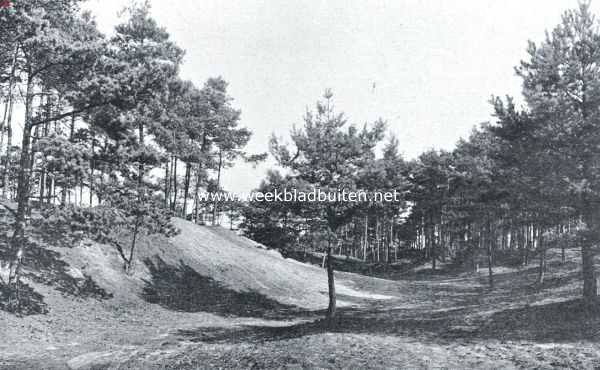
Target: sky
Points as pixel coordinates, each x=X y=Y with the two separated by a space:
x=427 y=67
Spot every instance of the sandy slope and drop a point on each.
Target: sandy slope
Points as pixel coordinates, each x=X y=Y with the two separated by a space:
x=242 y=264
x=205 y=276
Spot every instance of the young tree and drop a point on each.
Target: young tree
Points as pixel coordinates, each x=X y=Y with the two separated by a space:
x=329 y=156
x=153 y=61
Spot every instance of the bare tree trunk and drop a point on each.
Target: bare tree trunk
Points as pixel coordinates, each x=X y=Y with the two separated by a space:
x=7 y=162
x=44 y=174
x=542 y=248
x=590 y=284
x=167 y=183
x=24 y=177
x=66 y=191
x=215 y=203
x=140 y=196
x=528 y=243
x=174 y=171
x=50 y=191
x=196 y=190
x=489 y=253
x=377 y=244
x=92 y=165
x=331 y=308
x=186 y=190
x=129 y=262
x=6 y=122
x=432 y=241
x=366 y=240
x=391 y=241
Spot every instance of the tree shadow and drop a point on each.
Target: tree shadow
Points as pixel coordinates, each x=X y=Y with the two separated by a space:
x=181 y=288
x=45 y=266
x=556 y=322
x=348 y=321
x=565 y=321
x=31 y=302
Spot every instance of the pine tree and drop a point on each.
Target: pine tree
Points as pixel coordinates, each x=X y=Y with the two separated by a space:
x=329 y=156
x=561 y=85
x=57 y=50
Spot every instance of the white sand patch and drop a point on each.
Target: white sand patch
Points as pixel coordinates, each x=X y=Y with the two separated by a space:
x=344 y=290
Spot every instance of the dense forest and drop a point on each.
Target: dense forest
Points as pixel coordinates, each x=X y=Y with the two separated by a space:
x=100 y=138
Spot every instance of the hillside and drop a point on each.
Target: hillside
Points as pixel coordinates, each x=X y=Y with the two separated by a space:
x=211 y=299
x=205 y=274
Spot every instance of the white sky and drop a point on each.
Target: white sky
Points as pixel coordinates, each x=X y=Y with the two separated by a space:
x=434 y=63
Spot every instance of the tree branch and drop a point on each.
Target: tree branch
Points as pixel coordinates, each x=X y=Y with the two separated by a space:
x=12 y=211
x=68 y=114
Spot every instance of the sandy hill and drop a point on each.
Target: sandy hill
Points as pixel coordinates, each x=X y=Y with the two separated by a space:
x=203 y=276
x=206 y=265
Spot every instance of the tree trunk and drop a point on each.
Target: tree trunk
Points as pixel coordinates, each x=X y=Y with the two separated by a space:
x=196 y=190
x=330 y=283
x=92 y=165
x=140 y=196
x=391 y=241
x=80 y=192
x=590 y=284
x=489 y=254
x=7 y=124
x=174 y=171
x=129 y=261
x=42 y=186
x=167 y=183
x=50 y=191
x=432 y=242
x=44 y=174
x=377 y=243
x=365 y=241
x=542 y=249
x=66 y=191
x=7 y=162
x=527 y=246
x=590 y=288
x=24 y=177
x=186 y=190
x=215 y=203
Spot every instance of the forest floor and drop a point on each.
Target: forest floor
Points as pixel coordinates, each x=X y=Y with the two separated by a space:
x=225 y=308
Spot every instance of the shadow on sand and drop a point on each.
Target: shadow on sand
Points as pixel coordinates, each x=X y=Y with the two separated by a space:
x=44 y=266
x=181 y=288
x=463 y=312
x=556 y=322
